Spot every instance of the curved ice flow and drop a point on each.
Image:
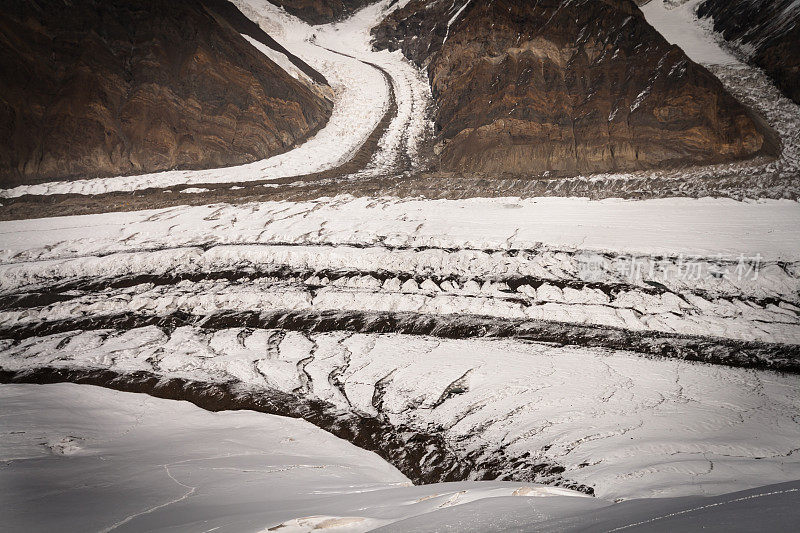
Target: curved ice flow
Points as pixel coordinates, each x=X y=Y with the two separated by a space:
x=411 y=88
x=342 y=53
x=627 y=426
x=679 y=25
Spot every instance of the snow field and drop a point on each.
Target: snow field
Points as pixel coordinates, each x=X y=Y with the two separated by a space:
x=707 y=228
x=627 y=426
x=96 y=459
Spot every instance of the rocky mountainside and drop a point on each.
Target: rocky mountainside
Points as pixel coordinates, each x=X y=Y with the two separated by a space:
x=767 y=30
x=107 y=87
x=321 y=11
x=566 y=86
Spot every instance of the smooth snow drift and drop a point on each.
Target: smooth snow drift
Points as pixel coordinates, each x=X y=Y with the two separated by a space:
x=80 y=458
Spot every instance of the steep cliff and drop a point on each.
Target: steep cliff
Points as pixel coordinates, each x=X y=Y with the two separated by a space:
x=767 y=30
x=108 y=87
x=565 y=86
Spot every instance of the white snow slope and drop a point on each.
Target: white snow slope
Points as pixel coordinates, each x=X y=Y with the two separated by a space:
x=676 y=21
x=81 y=458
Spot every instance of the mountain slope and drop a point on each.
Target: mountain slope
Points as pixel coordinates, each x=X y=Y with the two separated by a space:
x=99 y=88
x=768 y=29
x=566 y=87
x=321 y=11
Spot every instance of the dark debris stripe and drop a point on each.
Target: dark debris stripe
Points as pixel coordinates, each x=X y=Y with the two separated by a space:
x=712 y=350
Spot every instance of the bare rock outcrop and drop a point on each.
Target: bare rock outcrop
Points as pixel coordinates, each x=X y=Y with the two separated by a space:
x=321 y=11
x=566 y=87
x=93 y=88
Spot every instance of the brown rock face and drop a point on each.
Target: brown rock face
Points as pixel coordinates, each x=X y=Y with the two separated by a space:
x=574 y=86
x=93 y=88
x=321 y=11
x=771 y=28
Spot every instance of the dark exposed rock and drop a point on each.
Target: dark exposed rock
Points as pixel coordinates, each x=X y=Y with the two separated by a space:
x=321 y=11
x=566 y=86
x=92 y=88
x=769 y=28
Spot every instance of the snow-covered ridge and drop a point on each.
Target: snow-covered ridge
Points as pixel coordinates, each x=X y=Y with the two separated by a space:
x=695 y=275
x=566 y=260
x=626 y=309
x=455 y=17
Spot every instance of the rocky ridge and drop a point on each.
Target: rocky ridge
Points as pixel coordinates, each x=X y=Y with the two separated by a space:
x=566 y=87
x=767 y=30
x=103 y=88
x=321 y=11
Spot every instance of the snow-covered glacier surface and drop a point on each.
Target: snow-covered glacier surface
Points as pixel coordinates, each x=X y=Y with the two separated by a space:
x=707 y=227
x=308 y=300
x=708 y=267
x=627 y=427
x=555 y=340
x=80 y=458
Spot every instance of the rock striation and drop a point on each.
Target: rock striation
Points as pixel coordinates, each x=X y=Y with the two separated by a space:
x=565 y=87
x=93 y=88
x=767 y=30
